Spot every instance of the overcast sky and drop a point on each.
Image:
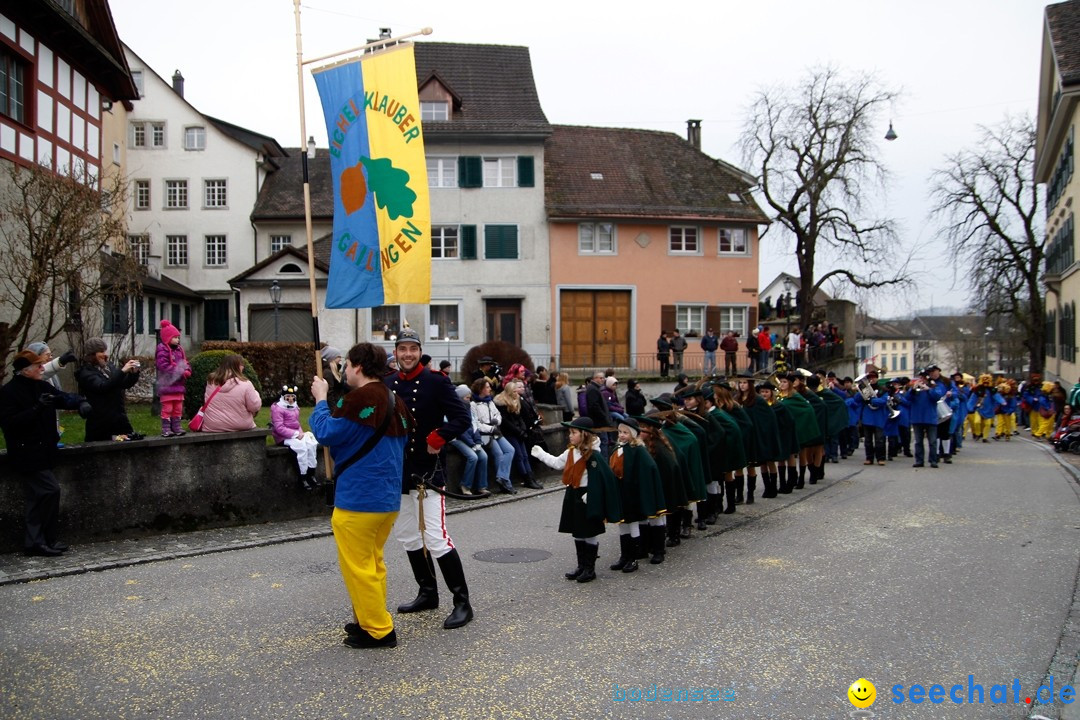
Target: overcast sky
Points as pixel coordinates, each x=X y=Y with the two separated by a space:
x=958 y=63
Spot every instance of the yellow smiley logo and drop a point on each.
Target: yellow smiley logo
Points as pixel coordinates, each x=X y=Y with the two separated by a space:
x=862 y=693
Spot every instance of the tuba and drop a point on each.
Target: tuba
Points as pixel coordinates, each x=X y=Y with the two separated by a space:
x=865 y=389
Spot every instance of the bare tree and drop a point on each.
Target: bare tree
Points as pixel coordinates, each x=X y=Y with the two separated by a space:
x=814 y=151
x=987 y=199
x=55 y=232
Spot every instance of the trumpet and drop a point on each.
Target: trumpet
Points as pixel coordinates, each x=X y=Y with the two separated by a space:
x=894 y=407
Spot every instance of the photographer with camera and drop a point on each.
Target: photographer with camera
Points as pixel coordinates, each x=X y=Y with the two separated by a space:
x=488 y=370
x=28 y=420
x=104 y=384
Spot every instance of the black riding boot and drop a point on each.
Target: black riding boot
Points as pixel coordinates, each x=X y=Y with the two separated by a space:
x=454 y=575
x=768 y=480
x=532 y=483
x=729 y=495
x=634 y=548
x=738 y=489
x=687 y=521
x=573 y=575
x=713 y=506
x=702 y=512
x=655 y=534
x=588 y=562
x=800 y=483
x=751 y=486
x=424 y=571
x=672 y=527
x=626 y=553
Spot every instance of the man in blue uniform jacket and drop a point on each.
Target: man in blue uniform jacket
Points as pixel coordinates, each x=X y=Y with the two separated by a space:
x=438 y=417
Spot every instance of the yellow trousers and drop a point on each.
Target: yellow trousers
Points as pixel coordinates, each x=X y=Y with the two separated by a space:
x=974 y=424
x=360 y=537
x=1040 y=426
x=1005 y=424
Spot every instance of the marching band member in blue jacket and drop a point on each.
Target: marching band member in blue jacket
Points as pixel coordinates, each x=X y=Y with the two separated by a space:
x=872 y=414
x=921 y=401
x=984 y=402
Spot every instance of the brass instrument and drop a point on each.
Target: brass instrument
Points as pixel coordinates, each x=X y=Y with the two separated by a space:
x=867 y=390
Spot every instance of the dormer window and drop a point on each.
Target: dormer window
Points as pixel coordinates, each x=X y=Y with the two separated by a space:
x=434 y=110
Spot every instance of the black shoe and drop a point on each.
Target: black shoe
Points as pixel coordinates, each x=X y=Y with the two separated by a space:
x=532 y=484
x=918 y=465
x=507 y=486
x=42 y=551
x=362 y=640
x=933 y=465
x=948 y=461
x=61 y=546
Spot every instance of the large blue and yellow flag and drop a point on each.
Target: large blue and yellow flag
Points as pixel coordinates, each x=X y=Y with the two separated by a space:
x=381 y=250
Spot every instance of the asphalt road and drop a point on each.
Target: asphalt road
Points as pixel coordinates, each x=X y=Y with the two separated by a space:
x=898 y=575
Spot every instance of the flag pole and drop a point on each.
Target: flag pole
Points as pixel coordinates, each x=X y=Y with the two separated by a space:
x=307 y=193
x=328 y=462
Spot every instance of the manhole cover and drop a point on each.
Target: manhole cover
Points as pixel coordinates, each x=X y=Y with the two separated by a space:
x=512 y=555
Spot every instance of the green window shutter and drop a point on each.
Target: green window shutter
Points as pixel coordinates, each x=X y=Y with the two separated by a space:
x=526 y=176
x=468 y=242
x=500 y=242
x=470 y=171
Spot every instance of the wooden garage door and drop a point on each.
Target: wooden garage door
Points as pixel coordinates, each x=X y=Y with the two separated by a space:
x=594 y=328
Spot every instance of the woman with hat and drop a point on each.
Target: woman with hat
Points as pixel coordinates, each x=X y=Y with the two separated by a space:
x=104 y=384
x=671 y=482
x=338 y=387
x=811 y=440
x=592 y=495
x=640 y=492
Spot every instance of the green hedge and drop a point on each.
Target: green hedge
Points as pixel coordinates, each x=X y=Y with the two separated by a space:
x=201 y=366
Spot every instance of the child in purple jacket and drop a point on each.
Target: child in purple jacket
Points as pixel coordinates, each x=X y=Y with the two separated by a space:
x=285 y=427
x=172 y=372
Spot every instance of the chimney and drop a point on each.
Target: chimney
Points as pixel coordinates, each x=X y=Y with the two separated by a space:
x=178 y=83
x=693 y=133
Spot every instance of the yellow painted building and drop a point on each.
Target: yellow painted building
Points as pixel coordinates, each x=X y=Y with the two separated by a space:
x=1055 y=158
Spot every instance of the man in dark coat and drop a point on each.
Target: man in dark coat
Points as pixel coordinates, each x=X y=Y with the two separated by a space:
x=28 y=407
x=439 y=417
x=598 y=410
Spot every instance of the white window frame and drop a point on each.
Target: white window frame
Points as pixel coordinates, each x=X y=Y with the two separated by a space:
x=387 y=311
x=441 y=242
x=733 y=234
x=138 y=135
x=176 y=194
x=215 y=197
x=279 y=242
x=195 y=137
x=140 y=195
x=216 y=251
x=728 y=314
x=499 y=171
x=682 y=231
x=434 y=110
x=137 y=78
x=589 y=239
x=176 y=250
x=690 y=319
x=139 y=247
x=157 y=135
x=442 y=334
x=442 y=171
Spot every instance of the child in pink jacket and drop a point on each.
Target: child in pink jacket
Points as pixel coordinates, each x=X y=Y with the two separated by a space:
x=285 y=427
x=172 y=372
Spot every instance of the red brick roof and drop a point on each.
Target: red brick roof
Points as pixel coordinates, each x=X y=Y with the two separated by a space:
x=642 y=174
x=1063 y=22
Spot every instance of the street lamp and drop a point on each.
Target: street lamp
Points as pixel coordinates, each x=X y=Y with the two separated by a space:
x=986 y=348
x=275 y=297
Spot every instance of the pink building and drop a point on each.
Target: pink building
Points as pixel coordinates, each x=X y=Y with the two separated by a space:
x=647 y=233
